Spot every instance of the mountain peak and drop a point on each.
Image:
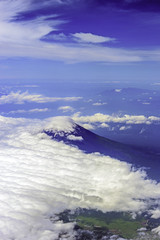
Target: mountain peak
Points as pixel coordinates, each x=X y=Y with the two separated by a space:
x=60 y=123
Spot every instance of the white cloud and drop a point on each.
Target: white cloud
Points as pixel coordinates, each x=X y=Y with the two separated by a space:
x=157 y=230
x=66 y=108
x=153 y=118
x=34 y=110
x=155 y=213
x=68 y=53
x=41 y=177
x=91 y=38
x=99 y=104
x=38 y=110
x=88 y=126
x=22 y=97
x=58 y=124
x=58 y=37
x=118 y=90
x=104 y=125
x=104 y=118
x=123 y=128
x=74 y=138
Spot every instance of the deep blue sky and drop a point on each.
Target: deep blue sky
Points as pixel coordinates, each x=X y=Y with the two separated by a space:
x=80 y=40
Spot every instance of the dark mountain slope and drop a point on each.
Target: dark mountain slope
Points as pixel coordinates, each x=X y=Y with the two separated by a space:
x=139 y=158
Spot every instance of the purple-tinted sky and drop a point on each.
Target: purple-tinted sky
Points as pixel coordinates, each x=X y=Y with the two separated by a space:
x=78 y=39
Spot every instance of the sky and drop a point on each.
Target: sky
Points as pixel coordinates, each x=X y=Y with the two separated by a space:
x=99 y=45
x=77 y=40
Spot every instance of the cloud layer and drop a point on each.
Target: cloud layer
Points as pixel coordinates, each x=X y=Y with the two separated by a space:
x=104 y=118
x=41 y=177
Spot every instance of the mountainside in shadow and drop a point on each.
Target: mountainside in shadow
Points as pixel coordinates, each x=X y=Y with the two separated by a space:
x=91 y=142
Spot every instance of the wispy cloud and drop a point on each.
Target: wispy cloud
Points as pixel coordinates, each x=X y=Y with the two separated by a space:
x=66 y=108
x=23 y=38
x=22 y=97
x=123 y=128
x=20 y=32
x=34 y=110
x=99 y=104
x=91 y=38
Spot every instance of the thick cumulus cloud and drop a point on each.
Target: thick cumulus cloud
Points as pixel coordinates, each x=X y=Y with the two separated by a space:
x=41 y=177
x=22 y=97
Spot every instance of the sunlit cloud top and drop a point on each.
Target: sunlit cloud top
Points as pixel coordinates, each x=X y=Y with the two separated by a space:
x=41 y=177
